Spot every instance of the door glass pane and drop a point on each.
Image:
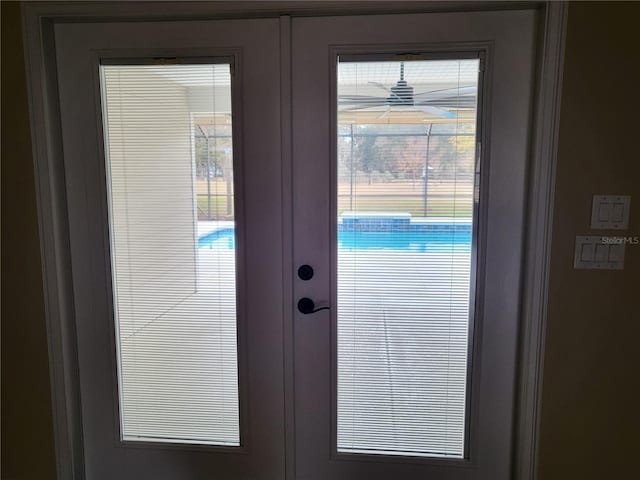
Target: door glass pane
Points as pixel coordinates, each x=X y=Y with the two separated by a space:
x=406 y=153
x=170 y=178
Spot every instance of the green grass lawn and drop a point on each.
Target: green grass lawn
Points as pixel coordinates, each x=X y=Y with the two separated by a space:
x=218 y=208
x=389 y=196
x=436 y=207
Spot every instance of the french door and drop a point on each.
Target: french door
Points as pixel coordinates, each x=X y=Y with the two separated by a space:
x=171 y=135
x=296 y=243
x=409 y=157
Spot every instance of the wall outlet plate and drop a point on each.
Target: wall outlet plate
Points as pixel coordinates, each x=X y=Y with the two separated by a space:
x=598 y=253
x=610 y=212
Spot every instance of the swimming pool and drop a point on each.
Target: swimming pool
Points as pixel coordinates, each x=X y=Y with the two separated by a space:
x=440 y=240
x=222 y=239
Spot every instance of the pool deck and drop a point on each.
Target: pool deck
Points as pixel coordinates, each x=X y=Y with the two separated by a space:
x=378 y=364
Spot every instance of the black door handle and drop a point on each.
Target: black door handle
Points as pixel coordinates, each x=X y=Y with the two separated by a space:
x=307 y=306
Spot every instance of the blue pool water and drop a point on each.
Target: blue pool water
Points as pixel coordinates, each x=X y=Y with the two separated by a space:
x=219 y=239
x=406 y=241
x=413 y=241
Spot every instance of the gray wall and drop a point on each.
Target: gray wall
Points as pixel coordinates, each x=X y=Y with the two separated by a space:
x=27 y=427
x=589 y=414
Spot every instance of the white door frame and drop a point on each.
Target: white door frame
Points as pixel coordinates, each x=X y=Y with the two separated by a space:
x=39 y=19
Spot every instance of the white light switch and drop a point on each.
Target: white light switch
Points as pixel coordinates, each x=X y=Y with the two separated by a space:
x=618 y=212
x=586 y=254
x=610 y=212
x=601 y=253
x=616 y=253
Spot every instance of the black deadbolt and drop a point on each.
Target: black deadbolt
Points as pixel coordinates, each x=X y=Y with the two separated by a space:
x=305 y=272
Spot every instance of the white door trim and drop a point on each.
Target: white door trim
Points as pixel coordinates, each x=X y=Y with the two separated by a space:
x=39 y=19
x=542 y=174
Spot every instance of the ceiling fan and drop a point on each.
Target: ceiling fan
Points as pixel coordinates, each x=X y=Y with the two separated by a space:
x=401 y=97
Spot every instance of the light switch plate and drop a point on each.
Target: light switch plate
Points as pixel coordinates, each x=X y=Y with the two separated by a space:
x=599 y=253
x=610 y=212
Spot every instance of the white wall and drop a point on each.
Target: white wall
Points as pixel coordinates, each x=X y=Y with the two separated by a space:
x=152 y=207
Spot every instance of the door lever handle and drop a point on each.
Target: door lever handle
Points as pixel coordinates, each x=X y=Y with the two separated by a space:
x=307 y=306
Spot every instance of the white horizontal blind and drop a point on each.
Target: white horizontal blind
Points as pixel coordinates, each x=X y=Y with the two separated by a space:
x=174 y=296
x=406 y=151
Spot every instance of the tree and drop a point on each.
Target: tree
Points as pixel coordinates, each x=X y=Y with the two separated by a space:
x=409 y=156
x=366 y=154
x=216 y=162
x=453 y=155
